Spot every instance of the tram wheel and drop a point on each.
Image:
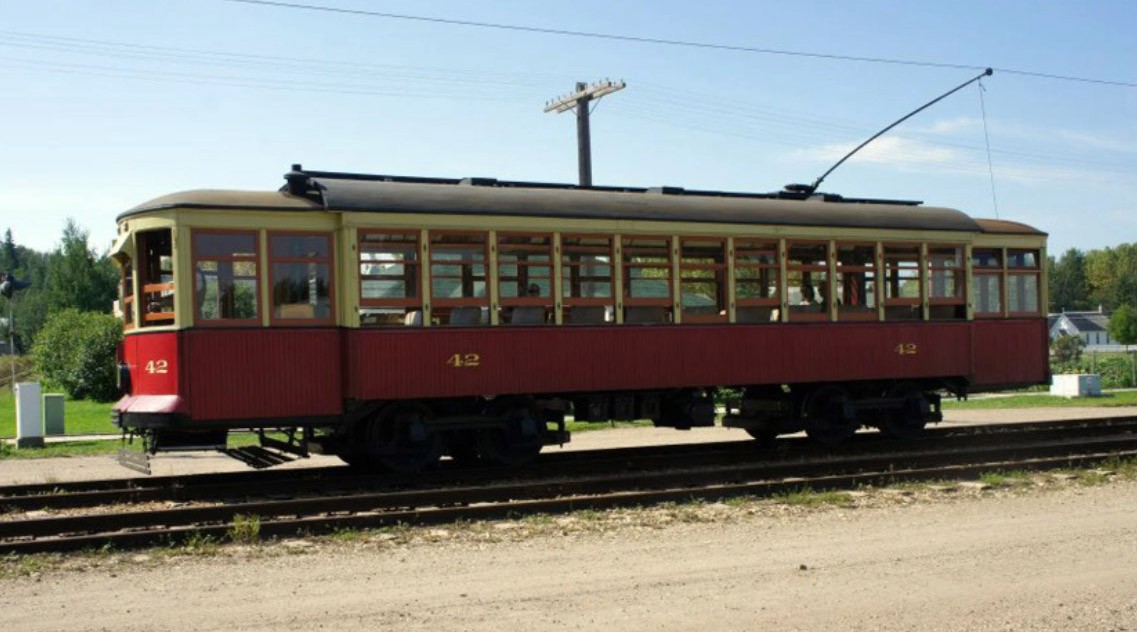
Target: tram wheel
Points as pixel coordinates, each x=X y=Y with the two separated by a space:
x=764 y=435
x=908 y=421
x=399 y=438
x=830 y=416
x=519 y=441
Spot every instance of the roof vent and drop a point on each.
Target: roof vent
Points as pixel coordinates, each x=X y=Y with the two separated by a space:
x=297 y=180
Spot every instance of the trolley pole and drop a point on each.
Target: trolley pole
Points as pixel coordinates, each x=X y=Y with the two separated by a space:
x=579 y=101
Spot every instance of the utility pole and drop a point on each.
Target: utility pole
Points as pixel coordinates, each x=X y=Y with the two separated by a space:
x=579 y=101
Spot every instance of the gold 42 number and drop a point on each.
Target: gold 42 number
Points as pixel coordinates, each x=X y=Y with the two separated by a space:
x=906 y=348
x=464 y=360
x=157 y=366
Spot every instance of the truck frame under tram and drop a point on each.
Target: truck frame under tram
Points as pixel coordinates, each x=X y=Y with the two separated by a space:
x=393 y=321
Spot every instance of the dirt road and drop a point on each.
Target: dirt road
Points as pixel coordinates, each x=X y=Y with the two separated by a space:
x=1058 y=560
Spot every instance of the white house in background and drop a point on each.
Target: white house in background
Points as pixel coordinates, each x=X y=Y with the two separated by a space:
x=1091 y=327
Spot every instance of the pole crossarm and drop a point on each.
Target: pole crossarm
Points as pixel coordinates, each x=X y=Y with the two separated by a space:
x=584 y=93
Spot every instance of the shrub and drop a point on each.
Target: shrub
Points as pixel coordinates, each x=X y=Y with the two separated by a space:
x=75 y=351
x=1066 y=349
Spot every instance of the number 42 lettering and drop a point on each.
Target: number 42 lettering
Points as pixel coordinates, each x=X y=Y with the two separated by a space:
x=906 y=348
x=464 y=360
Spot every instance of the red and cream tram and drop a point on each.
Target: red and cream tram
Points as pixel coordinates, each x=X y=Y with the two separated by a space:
x=394 y=320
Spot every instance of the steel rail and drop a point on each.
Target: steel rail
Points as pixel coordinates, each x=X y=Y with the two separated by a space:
x=288 y=517
x=342 y=479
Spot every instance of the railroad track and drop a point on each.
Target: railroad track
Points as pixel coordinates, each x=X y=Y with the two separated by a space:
x=341 y=479
x=1038 y=447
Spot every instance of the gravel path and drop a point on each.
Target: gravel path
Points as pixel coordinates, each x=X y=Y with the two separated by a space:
x=1056 y=560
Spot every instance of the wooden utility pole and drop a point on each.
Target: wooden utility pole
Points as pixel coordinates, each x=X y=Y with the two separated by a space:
x=579 y=101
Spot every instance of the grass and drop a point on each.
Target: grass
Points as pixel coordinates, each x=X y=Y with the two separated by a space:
x=1004 y=479
x=1107 y=399
x=809 y=498
x=585 y=426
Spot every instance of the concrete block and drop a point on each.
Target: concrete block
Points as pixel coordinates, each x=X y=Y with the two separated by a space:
x=1076 y=385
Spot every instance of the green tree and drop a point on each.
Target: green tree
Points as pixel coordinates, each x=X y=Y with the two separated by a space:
x=9 y=257
x=76 y=352
x=76 y=278
x=1069 y=288
x=1123 y=325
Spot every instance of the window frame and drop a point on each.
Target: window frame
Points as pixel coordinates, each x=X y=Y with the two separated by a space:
x=1011 y=271
x=200 y=321
x=522 y=301
x=409 y=302
x=843 y=313
x=487 y=277
x=997 y=272
x=809 y=315
x=567 y=300
x=774 y=300
x=719 y=279
x=626 y=266
x=330 y=260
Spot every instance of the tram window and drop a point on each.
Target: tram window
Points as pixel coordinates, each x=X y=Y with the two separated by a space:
x=647 y=279
x=946 y=280
x=458 y=279
x=1022 y=282
x=389 y=279
x=702 y=280
x=225 y=277
x=856 y=282
x=126 y=290
x=156 y=276
x=525 y=278
x=301 y=265
x=807 y=280
x=987 y=282
x=586 y=279
x=757 y=291
x=903 y=289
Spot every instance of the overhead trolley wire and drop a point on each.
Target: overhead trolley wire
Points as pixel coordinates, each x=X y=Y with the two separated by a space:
x=637 y=39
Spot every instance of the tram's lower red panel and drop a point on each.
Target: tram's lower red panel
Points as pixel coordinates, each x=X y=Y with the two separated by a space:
x=273 y=373
x=232 y=374
x=439 y=362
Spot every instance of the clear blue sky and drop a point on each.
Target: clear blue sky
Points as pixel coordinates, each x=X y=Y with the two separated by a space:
x=109 y=103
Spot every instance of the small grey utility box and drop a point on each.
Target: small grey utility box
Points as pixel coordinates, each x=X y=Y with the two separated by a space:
x=52 y=414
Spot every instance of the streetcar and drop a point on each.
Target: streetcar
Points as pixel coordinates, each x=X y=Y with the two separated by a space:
x=394 y=321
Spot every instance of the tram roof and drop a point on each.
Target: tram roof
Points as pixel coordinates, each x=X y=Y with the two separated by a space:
x=345 y=192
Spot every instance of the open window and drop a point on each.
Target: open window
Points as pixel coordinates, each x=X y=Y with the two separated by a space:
x=807 y=277
x=903 y=288
x=946 y=283
x=702 y=280
x=225 y=278
x=856 y=282
x=647 y=280
x=757 y=286
x=458 y=287
x=389 y=279
x=156 y=278
x=586 y=279
x=525 y=278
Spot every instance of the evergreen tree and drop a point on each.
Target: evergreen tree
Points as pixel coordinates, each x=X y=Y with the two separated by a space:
x=9 y=256
x=1069 y=289
x=75 y=278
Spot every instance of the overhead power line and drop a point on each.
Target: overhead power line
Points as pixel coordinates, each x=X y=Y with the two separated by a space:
x=636 y=39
